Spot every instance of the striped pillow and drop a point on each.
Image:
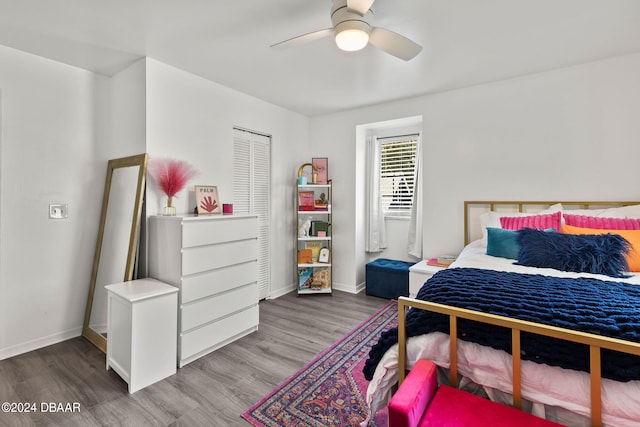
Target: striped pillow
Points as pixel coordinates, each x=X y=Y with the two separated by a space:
x=602 y=223
x=540 y=222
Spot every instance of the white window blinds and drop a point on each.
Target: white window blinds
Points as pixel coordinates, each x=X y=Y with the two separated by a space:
x=397 y=173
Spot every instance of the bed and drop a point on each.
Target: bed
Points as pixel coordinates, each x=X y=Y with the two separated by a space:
x=572 y=395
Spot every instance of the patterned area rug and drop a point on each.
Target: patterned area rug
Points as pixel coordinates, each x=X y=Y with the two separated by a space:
x=331 y=389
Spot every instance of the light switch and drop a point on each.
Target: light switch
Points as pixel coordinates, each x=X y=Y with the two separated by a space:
x=58 y=211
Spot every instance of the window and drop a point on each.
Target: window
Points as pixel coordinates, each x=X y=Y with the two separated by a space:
x=397 y=173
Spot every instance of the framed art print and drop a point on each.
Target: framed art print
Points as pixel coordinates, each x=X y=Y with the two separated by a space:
x=324 y=255
x=321 y=164
x=207 y=201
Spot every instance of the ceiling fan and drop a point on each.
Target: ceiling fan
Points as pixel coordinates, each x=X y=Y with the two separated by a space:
x=353 y=30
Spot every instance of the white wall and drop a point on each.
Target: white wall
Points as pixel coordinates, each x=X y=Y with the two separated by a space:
x=60 y=126
x=566 y=134
x=192 y=119
x=52 y=119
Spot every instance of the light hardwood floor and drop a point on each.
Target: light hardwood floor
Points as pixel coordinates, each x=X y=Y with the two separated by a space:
x=211 y=391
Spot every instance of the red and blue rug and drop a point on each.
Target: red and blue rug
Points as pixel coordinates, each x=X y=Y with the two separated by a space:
x=330 y=390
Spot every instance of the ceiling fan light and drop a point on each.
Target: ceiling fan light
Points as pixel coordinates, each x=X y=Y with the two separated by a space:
x=352 y=40
x=352 y=35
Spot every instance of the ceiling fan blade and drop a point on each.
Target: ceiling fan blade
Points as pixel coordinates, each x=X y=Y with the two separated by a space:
x=394 y=44
x=360 y=6
x=305 y=38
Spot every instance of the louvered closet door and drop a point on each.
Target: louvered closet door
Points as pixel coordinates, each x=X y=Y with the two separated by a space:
x=251 y=193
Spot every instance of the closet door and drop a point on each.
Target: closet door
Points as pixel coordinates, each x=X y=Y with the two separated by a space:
x=251 y=193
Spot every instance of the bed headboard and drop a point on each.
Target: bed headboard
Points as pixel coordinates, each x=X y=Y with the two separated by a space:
x=473 y=210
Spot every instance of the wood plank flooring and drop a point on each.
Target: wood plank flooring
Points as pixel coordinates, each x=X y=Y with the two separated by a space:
x=211 y=391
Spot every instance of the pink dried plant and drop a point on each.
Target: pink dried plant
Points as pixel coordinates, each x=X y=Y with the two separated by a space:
x=171 y=175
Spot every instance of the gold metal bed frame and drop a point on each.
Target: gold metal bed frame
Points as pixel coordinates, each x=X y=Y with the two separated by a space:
x=595 y=342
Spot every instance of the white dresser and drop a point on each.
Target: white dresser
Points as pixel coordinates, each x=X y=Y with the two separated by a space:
x=213 y=262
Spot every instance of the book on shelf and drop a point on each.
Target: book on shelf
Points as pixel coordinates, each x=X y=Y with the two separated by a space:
x=306 y=200
x=314 y=248
x=323 y=277
x=304 y=256
x=305 y=277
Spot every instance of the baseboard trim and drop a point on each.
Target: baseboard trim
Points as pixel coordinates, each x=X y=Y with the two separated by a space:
x=38 y=343
x=345 y=288
x=336 y=286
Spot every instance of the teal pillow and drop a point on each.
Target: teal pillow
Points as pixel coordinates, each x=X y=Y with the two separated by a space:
x=503 y=243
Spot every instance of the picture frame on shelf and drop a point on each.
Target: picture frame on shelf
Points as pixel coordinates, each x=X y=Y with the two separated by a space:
x=321 y=164
x=207 y=200
x=324 y=255
x=306 y=200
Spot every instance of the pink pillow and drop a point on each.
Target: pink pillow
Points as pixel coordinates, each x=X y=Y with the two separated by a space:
x=601 y=223
x=541 y=222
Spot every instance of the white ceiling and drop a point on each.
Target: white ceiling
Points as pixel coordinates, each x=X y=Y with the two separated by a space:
x=466 y=42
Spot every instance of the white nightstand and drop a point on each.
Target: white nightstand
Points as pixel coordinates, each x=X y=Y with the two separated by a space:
x=420 y=273
x=142 y=331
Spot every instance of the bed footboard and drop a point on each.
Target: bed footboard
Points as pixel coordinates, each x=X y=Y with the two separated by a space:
x=595 y=343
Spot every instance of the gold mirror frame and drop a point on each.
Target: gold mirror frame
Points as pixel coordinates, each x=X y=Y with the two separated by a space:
x=140 y=161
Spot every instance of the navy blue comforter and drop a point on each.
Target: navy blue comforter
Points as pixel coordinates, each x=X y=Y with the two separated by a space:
x=589 y=305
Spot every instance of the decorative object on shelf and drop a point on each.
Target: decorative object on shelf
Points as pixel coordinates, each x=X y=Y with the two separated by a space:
x=315 y=248
x=322 y=276
x=207 y=200
x=319 y=226
x=306 y=201
x=324 y=255
x=322 y=165
x=303 y=229
x=321 y=204
x=171 y=176
x=302 y=180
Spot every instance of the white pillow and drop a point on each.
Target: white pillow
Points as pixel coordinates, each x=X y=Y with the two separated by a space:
x=632 y=211
x=492 y=219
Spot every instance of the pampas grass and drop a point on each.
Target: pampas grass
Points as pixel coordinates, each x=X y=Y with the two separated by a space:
x=171 y=175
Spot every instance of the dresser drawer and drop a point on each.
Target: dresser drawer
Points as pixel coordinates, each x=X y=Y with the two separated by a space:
x=209 y=309
x=203 y=258
x=217 y=334
x=218 y=231
x=213 y=282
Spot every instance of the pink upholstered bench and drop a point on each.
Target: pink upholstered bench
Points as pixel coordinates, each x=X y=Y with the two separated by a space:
x=420 y=402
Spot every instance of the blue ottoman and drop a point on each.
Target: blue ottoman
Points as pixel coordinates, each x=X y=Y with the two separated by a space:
x=387 y=278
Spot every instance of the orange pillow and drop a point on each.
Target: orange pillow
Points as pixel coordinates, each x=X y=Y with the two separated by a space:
x=632 y=236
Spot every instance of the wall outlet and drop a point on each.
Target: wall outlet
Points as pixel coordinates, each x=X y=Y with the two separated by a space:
x=58 y=211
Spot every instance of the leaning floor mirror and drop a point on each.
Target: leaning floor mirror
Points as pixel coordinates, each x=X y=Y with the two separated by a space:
x=117 y=243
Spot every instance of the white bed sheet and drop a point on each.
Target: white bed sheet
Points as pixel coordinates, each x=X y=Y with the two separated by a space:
x=541 y=384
